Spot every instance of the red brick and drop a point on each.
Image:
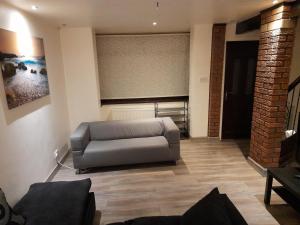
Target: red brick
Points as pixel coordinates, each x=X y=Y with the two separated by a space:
x=216 y=77
x=270 y=92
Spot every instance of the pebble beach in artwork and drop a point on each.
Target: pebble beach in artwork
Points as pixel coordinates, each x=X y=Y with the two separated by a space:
x=25 y=79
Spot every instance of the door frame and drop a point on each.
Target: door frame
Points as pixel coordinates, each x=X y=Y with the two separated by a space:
x=223 y=83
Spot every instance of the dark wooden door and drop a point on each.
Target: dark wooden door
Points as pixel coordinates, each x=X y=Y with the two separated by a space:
x=240 y=71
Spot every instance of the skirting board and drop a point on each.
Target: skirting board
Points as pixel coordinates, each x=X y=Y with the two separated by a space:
x=262 y=170
x=198 y=138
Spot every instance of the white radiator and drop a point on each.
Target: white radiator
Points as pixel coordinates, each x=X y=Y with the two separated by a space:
x=131 y=114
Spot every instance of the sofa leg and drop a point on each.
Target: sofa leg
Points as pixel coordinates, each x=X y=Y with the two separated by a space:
x=81 y=171
x=78 y=171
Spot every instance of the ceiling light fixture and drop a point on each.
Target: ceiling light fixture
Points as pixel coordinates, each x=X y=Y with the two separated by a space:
x=154 y=23
x=34 y=7
x=275 y=1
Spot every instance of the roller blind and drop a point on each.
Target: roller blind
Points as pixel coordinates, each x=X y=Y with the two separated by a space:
x=143 y=66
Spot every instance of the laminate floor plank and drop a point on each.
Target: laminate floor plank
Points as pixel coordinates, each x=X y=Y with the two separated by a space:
x=127 y=192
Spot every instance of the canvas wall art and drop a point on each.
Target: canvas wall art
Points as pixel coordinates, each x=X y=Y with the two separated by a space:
x=23 y=67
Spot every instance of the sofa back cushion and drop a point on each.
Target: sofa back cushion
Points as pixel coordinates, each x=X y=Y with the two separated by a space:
x=55 y=203
x=111 y=130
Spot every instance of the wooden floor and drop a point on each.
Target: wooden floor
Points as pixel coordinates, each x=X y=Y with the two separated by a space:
x=168 y=189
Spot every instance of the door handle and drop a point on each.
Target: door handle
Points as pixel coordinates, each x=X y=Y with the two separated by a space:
x=226 y=94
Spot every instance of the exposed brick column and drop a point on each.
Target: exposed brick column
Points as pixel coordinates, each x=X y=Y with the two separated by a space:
x=272 y=77
x=216 y=74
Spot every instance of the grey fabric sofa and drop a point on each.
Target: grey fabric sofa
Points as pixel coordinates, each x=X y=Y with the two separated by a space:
x=112 y=143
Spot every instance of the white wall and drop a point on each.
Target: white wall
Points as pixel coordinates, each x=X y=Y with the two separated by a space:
x=295 y=71
x=200 y=56
x=232 y=36
x=81 y=74
x=78 y=49
x=30 y=133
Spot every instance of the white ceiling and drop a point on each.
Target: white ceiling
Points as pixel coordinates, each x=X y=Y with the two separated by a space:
x=136 y=16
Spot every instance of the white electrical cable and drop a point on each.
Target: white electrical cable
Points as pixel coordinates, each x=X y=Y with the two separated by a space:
x=62 y=165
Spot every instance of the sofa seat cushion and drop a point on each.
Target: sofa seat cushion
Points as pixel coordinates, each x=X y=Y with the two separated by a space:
x=59 y=203
x=112 y=130
x=127 y=151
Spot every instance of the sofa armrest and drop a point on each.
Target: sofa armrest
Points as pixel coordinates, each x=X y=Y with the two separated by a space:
x=172 y=133
x=80 y=138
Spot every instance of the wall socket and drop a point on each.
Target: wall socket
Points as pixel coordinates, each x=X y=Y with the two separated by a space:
x=55 y=153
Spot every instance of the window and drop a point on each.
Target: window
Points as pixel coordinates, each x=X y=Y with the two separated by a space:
x=143 y=66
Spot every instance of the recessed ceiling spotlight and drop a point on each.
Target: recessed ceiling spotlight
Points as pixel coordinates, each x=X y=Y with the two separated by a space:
x=34 y=7
x=275 y=1
x=154 y=23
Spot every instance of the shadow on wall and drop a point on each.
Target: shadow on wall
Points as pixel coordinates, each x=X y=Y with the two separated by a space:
x=21 y=111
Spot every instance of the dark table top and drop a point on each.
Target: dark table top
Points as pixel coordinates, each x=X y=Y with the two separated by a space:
x=286 y=176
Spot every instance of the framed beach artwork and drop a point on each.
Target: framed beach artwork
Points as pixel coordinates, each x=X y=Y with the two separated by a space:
x=23 y=67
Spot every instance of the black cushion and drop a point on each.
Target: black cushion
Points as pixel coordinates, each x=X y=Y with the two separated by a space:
x=213 y=209
x=7 y=215
x=90 y=210
x=209 y=210
x=59 y=203
x=154 y=220
x=235 y=216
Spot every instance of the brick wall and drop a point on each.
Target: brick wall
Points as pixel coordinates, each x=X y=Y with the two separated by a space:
x=216 y=74
x=272 y=77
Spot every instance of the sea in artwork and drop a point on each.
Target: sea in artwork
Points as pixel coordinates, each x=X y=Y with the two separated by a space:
x=23 y=68
x=25 y=79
